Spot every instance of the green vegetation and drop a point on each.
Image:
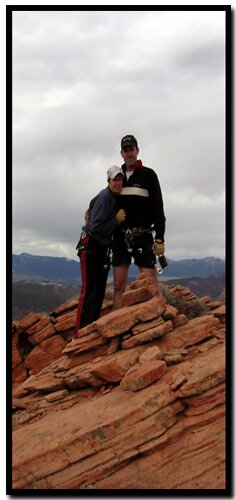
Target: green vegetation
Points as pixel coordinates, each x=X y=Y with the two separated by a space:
x=191 y=308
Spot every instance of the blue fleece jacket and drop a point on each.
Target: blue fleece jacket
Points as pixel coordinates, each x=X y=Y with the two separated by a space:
x=102 y=211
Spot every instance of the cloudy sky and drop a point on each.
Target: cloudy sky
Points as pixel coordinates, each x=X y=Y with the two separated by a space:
x=81 y=81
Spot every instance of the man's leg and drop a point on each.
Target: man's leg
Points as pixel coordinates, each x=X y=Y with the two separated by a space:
x=151 y=273
x=120 y=282
x=146 y=260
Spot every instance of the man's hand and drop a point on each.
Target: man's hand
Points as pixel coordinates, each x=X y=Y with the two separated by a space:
x=158 y=247
x=121 y=216
x=86 y=217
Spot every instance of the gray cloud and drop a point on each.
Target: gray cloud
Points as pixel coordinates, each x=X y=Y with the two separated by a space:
x=82 y=80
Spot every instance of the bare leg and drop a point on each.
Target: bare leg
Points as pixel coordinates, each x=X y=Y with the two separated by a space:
x=120 y=282
x=151 y=273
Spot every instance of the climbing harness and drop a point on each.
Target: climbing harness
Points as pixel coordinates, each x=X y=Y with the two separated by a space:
x=131 y=234
x=102 y=253
x=129 y=237
x=82 y=243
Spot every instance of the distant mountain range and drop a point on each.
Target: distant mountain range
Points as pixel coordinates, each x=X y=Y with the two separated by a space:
x=40 y=297
x=27 y=267
x=214 y=285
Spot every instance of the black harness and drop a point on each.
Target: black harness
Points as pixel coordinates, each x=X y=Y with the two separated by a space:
x=131 y=234
x=90 y=245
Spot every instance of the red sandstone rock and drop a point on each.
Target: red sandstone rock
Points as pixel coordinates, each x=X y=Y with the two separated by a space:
x=171 y=464
x=213 y=304
x=87 y=330
x=42 y=335
x=116 y=366
x=66 y=307
x=170 y=312
x=172 y=359
x=66 y=322
x=82 y=344
x=114 y=345
x=150 y=354
x=138 y=295
x=116 y=322
x=142 y=280
x=147 y=325
x=149 y=310
x=122 y=320
x=75 y=428
x=17 y=358
x=219 y=311
x=140 y=376
x=205 y=299
x=148 y=335
x=42 y=355
x=39 y=325
x=37 y=360
x=193 y=332
x=19 y=374
x=53 y=346
x=205 y=372
x=55 y=396
x=28 y=321
x=179 y=320
x=45 y=385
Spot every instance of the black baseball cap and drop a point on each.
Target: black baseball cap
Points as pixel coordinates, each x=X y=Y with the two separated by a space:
x=129 y=140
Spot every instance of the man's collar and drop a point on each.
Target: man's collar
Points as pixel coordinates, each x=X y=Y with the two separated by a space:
x=137 y=166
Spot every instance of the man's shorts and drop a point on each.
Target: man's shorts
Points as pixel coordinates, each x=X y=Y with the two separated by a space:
x=141 y=251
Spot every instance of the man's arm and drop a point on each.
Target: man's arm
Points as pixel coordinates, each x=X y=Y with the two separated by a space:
x=157 y=207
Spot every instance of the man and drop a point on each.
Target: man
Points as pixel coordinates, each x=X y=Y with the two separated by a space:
x=141 y=198
x=94 y=247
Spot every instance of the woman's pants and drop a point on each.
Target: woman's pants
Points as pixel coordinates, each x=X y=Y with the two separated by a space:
x=94 y=272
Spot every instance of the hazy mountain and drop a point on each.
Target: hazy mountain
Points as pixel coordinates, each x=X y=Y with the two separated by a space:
x=42 y=297
x=38 y=268
x=195 y=267
x=62 y=270
x=41 y=284
x=214 y=286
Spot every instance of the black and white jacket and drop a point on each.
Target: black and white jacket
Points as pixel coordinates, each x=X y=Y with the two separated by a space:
x=141 y=198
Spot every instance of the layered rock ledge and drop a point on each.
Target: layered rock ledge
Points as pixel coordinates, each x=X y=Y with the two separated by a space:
x=137 y=402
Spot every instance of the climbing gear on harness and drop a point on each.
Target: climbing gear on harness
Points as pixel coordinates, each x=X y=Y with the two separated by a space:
x=130 y=235
x=88 y=244
x=129 y=240
x=161 y=264
x=108 y=258
x=82 y=243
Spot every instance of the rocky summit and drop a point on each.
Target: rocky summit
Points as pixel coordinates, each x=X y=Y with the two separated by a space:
x=136 y=402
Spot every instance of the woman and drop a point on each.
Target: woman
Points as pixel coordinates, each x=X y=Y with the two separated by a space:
x=94 y=248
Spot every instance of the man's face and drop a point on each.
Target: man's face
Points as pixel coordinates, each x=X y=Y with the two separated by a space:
x=116 y=184
x=129 y=155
